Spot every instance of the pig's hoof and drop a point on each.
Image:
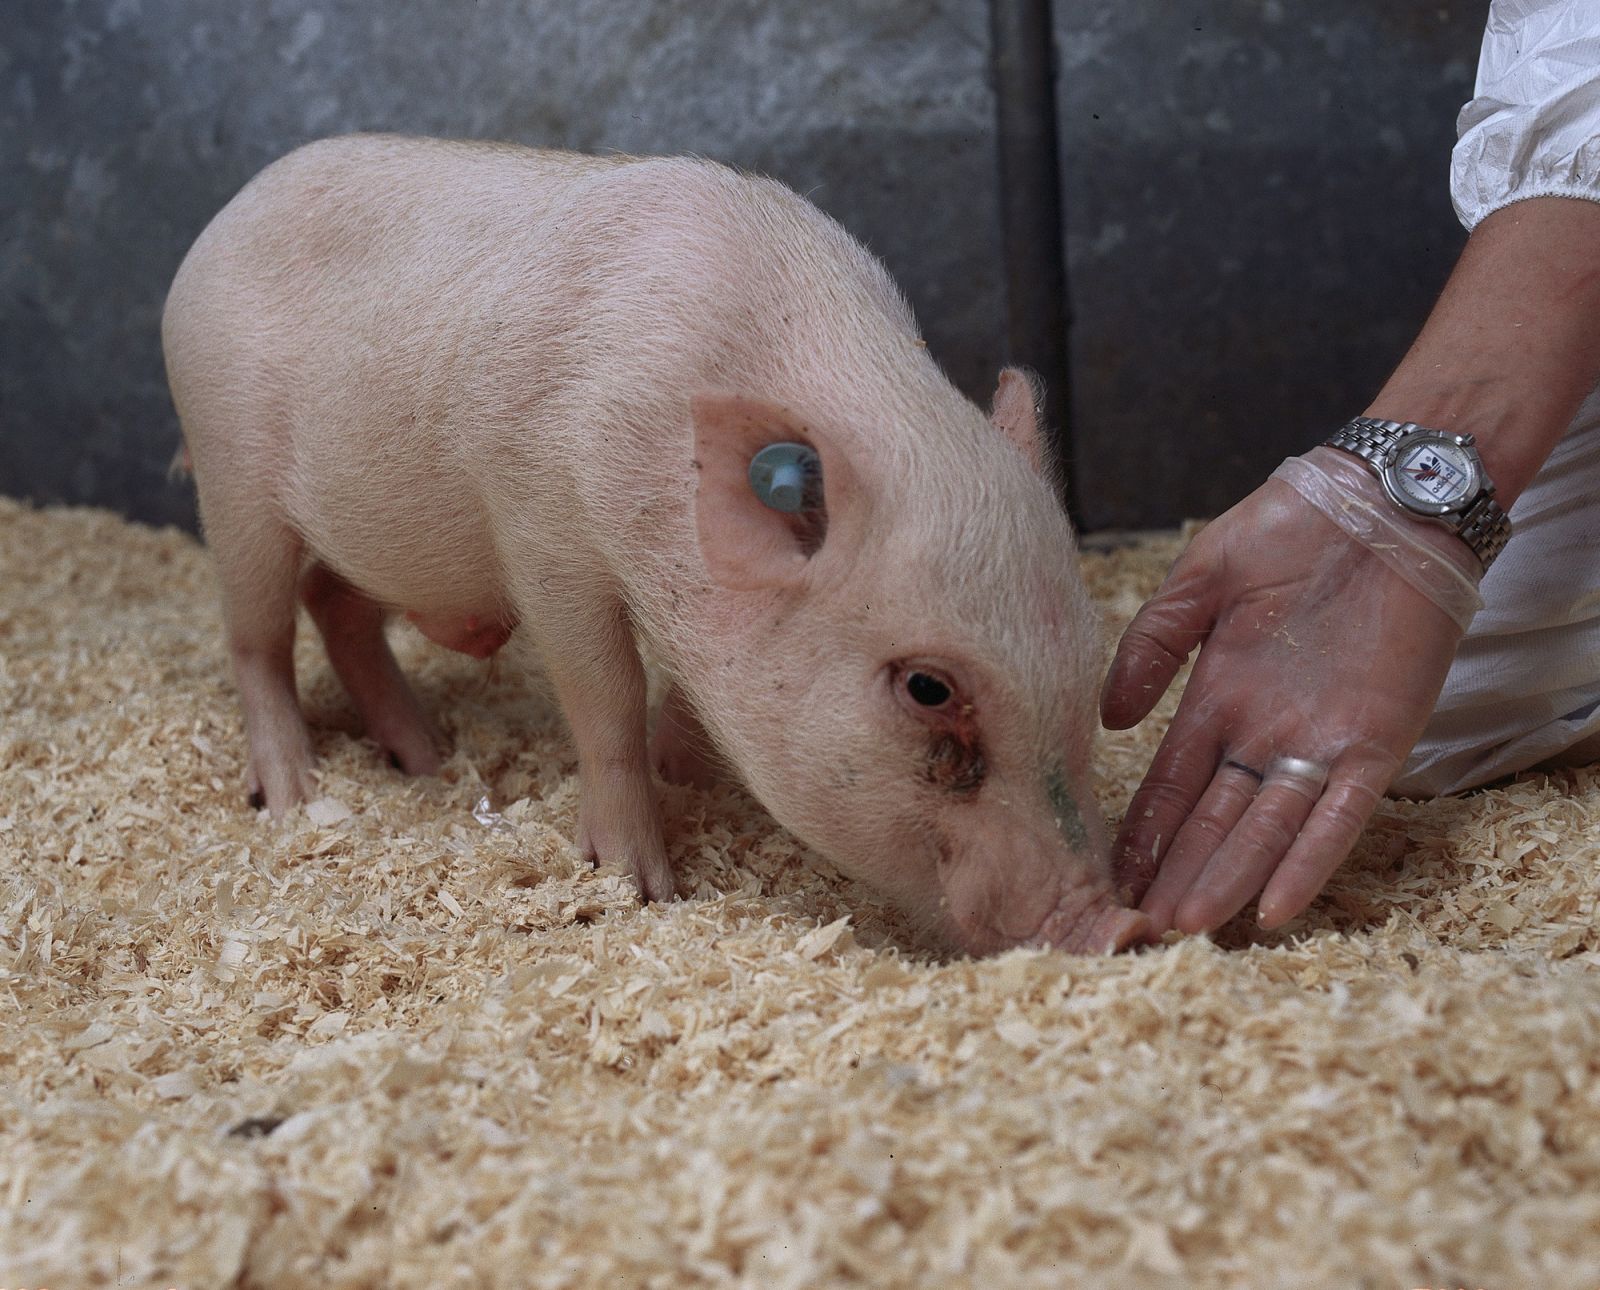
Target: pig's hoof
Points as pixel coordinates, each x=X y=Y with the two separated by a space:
x=653 y=887
x=406 y=738
x=618 y=825
x=283 y=788
x=655 y=884
x=420 y=759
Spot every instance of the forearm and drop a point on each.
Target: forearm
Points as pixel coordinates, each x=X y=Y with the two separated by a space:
x=1513 y=345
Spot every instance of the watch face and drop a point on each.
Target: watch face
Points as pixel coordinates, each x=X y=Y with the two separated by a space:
x=1433 y=473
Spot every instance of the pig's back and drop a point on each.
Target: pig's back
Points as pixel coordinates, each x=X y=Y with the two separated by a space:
x=453 y=342
x=331 y=341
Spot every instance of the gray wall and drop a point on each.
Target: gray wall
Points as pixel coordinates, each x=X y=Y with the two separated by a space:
x=1258 y=220
x=1255 y=211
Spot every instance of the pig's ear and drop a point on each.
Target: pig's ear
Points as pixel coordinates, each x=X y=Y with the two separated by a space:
x=1017 y=402
x=747 y=544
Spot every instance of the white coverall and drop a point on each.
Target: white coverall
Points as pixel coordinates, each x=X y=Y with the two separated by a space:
x=1524 y=689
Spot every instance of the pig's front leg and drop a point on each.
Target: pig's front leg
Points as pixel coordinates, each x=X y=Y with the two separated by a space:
x=601 y=685
x=680 y=749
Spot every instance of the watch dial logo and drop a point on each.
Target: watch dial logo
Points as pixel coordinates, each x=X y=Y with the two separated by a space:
x=1431 y=475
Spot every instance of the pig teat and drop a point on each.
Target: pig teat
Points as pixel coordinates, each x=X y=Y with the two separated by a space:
x=785 y=476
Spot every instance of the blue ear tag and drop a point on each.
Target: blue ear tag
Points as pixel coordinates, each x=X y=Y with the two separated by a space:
x=786 y=476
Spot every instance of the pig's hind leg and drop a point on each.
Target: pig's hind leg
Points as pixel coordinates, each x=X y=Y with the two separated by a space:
x=600 y=683
x=351 y=624
x=258 y=558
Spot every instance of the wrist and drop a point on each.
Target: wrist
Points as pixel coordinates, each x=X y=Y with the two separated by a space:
x=1430 y=475
x=1432 y=560
x=1356 y=479
x=1511 y=444
x=1510 y=351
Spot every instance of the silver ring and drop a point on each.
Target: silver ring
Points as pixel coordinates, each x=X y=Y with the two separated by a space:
x=1298 y=773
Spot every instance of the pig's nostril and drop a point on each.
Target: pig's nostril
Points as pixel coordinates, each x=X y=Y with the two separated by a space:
x=1103 y=929
x=1129 y=928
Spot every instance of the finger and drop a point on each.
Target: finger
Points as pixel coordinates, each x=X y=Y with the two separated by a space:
x=1249 y=857
x=1232 y=789
x=1183 y=766
x=1156 y=644
x=1322 y=846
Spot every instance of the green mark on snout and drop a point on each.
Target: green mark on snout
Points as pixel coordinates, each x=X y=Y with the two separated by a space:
x=1069 y=821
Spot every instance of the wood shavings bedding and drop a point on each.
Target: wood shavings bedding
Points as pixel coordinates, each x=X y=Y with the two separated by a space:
x=408 y=1039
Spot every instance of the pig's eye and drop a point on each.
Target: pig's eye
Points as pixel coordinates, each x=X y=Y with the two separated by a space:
x=930 y=694
x=927 y=690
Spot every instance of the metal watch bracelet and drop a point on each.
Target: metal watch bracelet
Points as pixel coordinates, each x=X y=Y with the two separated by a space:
x=1484 y=526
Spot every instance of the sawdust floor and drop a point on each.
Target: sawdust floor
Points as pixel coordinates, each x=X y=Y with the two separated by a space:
x=392 y=1043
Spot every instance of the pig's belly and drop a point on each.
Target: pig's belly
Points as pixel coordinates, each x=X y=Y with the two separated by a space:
x=439 y=571
x=467 y=614
x=479 y=635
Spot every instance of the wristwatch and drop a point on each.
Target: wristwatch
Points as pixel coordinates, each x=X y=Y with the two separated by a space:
x=1434 y=475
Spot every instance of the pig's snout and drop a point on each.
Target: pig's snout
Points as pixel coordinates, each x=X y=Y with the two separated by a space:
x=1006 y=884
x=1102 y=928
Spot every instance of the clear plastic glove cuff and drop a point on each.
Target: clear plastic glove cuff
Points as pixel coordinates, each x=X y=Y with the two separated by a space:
x=1434 y=561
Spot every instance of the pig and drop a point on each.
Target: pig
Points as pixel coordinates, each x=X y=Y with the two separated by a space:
x=497 y=389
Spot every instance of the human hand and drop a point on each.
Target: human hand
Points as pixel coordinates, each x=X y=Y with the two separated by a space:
x=1322 y=654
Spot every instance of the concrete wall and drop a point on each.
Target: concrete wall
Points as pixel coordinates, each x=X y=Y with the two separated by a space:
x=126 y=124
x=1258 y=220
x=1254 y=192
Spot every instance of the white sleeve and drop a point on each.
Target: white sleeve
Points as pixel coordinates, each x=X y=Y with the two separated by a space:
x=1532 y=128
